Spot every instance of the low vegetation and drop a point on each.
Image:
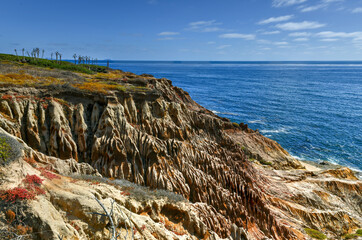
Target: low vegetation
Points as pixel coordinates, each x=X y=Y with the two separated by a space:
x=35 y=72
x=354 y=235
x=54 y=64
x=30 y=189
x=10 y=149
x=4 y=149
x=131 y=189
x=315 y=233
x=264 y=162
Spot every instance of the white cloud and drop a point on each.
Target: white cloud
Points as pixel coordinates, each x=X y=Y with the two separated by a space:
x=330 y=1
x=295 y=26
x=280 y=43
x=211 y=29
x=238 y=35
x=263 y=41
x=276 y=19
x=300 y=34
x=313 y=8
x=323 y=4
x=330 y=34
x=223 y=46
x=205 y=26
x=357 y=10
x=166 y=38
x=202 y=23
x=284 y=3
x=168 y=33
x=301 y=39
x=329 y=39
x=270 y=33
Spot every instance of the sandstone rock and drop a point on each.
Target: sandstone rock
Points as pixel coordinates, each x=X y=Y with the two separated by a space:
x=164 y=140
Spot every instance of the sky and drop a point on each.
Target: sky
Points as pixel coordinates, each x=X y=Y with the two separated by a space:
x=195 y=30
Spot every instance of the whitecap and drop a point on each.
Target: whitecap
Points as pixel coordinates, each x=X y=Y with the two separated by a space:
x=256 y=121
x=280 y=130
x=225 y=113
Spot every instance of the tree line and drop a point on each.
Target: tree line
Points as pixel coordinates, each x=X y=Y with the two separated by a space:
x=35 y=54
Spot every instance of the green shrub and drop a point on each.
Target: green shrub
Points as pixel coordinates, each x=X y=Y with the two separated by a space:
x=262 y=161
x=64 y=65
x=359 y=232
x=4 y=149
x=351 y=236
x=235 y=124
x=315 y=233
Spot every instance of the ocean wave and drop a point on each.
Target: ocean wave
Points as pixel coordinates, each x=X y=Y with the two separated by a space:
x=280 y=130
x=225 y=113
x=332 y=161
x=257 y=121
x=204 y=75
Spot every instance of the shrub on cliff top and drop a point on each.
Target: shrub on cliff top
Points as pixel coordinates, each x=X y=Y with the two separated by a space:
x=315 y=233
x=28 y=192
x=354 y=235
x=10 y=149
x=64 y=65
x=4 y=149
x=17 y=193
x=33 y=179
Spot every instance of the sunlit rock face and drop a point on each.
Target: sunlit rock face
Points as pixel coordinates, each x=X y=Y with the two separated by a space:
x=241 y=184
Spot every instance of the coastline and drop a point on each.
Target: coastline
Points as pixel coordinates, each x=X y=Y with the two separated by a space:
x=152 y=133
x=325 y=165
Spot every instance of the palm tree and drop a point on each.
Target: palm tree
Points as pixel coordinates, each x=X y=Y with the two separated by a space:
x=16 y=53
x=37 y=52
x=23 y=50
x=60 y=57
x=51 y=56
x=75 y=58
x=56 y=55
x=42 y=53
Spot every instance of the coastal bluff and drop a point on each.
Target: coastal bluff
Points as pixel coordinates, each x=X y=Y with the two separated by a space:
x=166 y=166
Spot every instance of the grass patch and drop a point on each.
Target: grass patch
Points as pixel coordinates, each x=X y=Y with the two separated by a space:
x=10 y=149
x=66 y=75
x=64 y=65
x=315 y=233
x=354 y=235
x=4 y=149
x=262 y=161
x=351 y=236
x=133 y=190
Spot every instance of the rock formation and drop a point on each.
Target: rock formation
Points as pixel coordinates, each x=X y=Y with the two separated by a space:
x=238 y=183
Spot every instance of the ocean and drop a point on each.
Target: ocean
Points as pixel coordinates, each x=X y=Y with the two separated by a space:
x=312 y=109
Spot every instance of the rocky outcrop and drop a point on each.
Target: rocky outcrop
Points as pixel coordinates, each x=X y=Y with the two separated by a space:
x=164 y=140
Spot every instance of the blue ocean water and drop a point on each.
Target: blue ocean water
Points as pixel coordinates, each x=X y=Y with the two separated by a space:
x=313 y=109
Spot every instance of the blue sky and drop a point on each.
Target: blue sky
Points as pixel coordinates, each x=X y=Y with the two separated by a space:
x=232 y=30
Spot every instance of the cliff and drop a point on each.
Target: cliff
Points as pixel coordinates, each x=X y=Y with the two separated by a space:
x=118 y=127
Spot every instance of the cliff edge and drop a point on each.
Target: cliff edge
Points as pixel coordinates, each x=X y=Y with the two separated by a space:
x=174 y=169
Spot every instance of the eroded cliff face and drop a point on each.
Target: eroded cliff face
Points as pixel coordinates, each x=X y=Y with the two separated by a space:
x=162 y=139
